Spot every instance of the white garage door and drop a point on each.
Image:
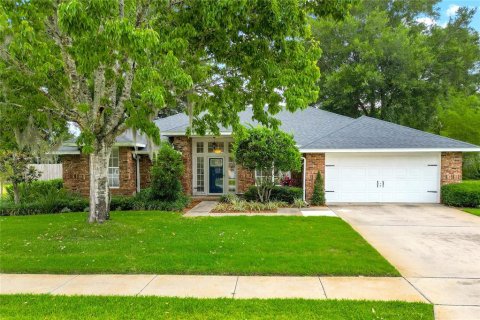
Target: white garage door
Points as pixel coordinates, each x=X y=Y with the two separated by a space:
x=380 y=177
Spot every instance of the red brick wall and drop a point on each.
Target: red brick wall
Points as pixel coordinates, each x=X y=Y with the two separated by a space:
x=451 y=167
x=145 y=166
x=315 y=163
x=245 y=179
x=128 y=173
x=184 y=145
x=76 y=173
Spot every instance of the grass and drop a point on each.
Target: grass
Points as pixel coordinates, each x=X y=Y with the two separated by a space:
x=473 y=211
x=94 y=307
x=166 y=243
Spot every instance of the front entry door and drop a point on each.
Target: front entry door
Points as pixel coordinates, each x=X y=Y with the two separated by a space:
x=215 y=180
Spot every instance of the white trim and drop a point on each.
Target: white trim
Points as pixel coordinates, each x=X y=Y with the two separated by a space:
x=181 y=133
x=225 y=155
x=64 y=152
x=400 y=150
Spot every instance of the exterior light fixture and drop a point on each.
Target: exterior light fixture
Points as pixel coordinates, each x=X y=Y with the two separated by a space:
x=216 y=148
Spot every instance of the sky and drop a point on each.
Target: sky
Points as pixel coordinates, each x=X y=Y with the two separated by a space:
x=449 y=7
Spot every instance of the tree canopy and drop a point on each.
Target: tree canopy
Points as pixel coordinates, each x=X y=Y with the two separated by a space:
x=382 y=61
x=112 y=65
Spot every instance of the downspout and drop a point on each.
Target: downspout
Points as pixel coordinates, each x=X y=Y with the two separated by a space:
x=137 y=158
x=304 y=177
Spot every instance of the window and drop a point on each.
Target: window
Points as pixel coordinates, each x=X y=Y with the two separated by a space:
x=277 y=176
x=232 y=176
x=114 y=169
x=199 y=147
x=200 y=174
x=212 y=146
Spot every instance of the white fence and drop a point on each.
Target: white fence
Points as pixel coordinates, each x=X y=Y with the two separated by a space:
x=49 y=171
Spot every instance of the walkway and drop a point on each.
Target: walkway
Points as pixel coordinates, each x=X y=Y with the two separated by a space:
x=238 y=287
x=436 y=249
x=204 y=208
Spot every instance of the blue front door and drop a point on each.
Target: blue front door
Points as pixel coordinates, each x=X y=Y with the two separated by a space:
x=215 y=170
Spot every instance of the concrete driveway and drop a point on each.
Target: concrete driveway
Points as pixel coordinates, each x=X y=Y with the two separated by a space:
x=436 y=248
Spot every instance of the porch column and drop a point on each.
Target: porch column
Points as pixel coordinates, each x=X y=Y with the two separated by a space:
x=315 y=163
x=184 y=145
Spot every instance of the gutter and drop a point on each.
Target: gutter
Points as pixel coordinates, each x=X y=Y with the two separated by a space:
x=304 y=177
x=399 y=150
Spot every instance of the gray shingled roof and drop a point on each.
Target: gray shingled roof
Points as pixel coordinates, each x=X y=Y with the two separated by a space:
x=315 y=129
x=370 y=133
x=305 y=125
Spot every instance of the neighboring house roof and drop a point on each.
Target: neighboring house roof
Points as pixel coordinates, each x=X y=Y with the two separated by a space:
x=316 y=130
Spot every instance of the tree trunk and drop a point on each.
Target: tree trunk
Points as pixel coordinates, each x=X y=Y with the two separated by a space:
x=99 y=191
x=16 y=193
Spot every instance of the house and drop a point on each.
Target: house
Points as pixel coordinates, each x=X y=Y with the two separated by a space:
x=362 y=160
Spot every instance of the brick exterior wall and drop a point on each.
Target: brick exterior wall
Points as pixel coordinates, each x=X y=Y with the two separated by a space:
x=128 y=173
x=76 y=173
x=451 y=167
x=184 y=145
x=315 y=163
x=145 y=166
x=245 y=179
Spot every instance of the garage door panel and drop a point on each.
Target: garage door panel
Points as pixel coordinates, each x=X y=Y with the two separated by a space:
x=383 y=177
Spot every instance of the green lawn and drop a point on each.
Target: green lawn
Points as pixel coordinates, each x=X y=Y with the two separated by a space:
x=166 y=243
x=473 y=211
x=91 y=307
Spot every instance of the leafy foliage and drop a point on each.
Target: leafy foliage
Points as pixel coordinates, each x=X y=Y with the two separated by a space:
x=266 y=150
x=112 y=65
x=284 y=194
x=15 y=168
x=166 y=172
x=318 y=196
x=465 y=194
x=380 y=61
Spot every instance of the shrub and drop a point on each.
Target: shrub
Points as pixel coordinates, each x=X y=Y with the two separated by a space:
x=122 y=203
x=299 y=203
x=229 y=198
x=284 y=194
x=9 y=208
x=465 y=194
x=34 y=190
x=166 y=172
x=318 y=197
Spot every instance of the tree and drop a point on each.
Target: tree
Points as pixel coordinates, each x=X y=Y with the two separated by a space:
x=266 y=150
x=166 y=173
x=382 y=62
x=15 y=168
x=111 y=65
x=318 y=197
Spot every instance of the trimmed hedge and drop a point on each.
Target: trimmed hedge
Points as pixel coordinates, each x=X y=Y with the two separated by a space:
x=465 y=194
x=284 y=194
x=72 y=204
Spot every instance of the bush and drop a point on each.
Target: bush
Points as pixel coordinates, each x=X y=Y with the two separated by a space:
x=9 y=208
x=465 y=194
x=166 y=172
x=62 y=201
x=121 y=203
x=318 y=197
x=229 y=198
x=34 y=190
x=283 y=194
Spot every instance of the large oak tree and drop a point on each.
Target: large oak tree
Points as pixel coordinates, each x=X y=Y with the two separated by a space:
x=111 y=65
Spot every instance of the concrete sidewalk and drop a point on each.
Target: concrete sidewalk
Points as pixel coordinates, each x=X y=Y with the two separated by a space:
x=238 y=287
